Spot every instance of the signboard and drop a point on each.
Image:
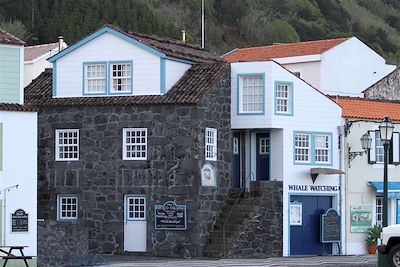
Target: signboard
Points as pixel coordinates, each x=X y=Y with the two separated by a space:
x=208 y=177
x=330 y=227
x=19 y=221
x=170 y=216
x=296 y=213
x=360 y=218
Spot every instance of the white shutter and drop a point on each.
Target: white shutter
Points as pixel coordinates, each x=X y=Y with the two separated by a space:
x=396 y=143
x=372 y=151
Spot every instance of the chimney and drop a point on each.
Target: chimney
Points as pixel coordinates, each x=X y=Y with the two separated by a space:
x=60 y=43
x=183 y=36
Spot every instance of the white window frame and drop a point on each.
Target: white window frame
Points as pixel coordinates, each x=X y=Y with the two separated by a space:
x=136 y=211
x=60 y=148
x=127 y=133
x=379 y=150
x=248 y=95
x=285 y=88
x=113 y=78
x=60 y=210
x=264 y=146
x=210 y=144
x=326 y=150
x=299 y=147
x=378 y=211
x=102 y=79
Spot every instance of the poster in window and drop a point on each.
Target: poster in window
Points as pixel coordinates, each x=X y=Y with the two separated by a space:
x=208 y=175
x=296 y=213
x=360 y=218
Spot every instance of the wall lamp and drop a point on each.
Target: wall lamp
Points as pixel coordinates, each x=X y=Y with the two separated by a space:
x=366 y=142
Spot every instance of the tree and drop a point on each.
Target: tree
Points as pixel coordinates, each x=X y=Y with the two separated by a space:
x=16 y=28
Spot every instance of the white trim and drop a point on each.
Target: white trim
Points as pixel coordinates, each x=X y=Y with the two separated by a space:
x=134 y=212
x=210 y=144
x=60 y=210
x=57 y=145
x=128 y=78
x=135 y=144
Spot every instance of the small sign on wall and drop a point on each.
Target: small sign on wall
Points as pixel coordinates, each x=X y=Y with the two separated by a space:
x=208 y=175
x=296 y=213
x=170 y=216
x=19 y=221
x=360 y=218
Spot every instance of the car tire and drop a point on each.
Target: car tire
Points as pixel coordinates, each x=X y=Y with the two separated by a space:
x=394 y=256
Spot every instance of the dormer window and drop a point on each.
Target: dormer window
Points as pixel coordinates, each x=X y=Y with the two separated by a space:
x=121 y=77
x=95 y=78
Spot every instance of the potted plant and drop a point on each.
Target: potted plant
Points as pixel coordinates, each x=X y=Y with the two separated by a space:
x=373 y=233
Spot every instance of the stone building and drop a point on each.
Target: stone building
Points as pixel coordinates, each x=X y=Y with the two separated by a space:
x=134 y=147
x=385 y=89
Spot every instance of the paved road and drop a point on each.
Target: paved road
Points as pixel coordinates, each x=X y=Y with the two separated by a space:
x=327 y=261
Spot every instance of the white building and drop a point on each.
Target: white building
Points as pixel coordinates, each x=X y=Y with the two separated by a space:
x=343 y=66
x=283 y=128
x=364 y=183
x=18 y=146
x=35 y=58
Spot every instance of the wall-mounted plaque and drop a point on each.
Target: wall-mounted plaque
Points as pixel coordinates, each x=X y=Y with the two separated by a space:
x=19 y=221
x=330 y=227
x=170 y=216
x=296 y=213
x=360 y=218
x=208 y=175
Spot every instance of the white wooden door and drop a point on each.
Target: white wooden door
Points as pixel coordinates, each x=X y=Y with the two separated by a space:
x=135 y=225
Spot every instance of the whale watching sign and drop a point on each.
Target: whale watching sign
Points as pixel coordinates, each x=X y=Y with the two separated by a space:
x=170 y=216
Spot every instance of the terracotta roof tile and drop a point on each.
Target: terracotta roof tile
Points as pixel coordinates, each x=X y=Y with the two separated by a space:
x=188 y=90
x=282 y=50
x=361 y=108
x=35 y=51
x=16 y=107
x=8 y=38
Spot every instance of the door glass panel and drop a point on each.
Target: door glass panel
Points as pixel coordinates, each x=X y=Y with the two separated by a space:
x=235 y=145
x=264 y=146
x=136 y=208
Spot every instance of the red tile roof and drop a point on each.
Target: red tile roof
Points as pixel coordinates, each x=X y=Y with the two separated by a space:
x=8 y=38
x=35 y=51
x=282 y=50
x=361 y=108
x=188 y=90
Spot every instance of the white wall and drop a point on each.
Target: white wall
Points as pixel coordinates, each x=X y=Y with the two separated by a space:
x=35 y=68
x=359 y=193
x=20 y=167
x=174 y=71
x=309 y=71
x=351 y=67
x=107 y=47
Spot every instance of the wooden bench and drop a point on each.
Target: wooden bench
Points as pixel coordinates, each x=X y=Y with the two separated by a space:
x=9 y=256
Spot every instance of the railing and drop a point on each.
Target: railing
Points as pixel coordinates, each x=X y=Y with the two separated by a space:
x=248 y=178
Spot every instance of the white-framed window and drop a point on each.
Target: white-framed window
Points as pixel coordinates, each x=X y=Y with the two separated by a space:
x=251 y=94
x=136 y=208
x=236 y=145
x=379 y=150
x=211 y=144
x=264 y=146
x=322 y=148
x=134 y=142
x=283 y=98
x=95 y=78
x=302 y=147
x=67 y=144
x=120 y=77
x=378 y=211
x=67 y=207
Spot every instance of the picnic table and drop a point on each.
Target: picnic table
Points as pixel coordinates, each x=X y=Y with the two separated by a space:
x=10 y=256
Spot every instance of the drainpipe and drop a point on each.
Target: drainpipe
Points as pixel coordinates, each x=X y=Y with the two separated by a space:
x=342 y=191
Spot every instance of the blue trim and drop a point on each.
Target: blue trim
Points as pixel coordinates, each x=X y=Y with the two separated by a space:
x=312 y=148
x=101 y=31
x=250 y=167
x=109 y=92
x=238 y=95
x=180 y=60
x=54 y=80
x=84 y=93
x=162 y=76
x=291 y=98
x=126 y=217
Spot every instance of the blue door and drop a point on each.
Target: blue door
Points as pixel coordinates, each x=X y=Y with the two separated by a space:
x=305 y=235
x=236 y=160
x=262 y=159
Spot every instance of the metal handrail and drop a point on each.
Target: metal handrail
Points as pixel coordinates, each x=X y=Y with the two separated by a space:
x=251 y=174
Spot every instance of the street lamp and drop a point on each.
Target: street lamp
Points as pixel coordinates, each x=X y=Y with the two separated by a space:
x=366 y=142
x=386 y=132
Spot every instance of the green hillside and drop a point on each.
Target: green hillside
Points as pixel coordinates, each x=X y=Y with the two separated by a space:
x=229 y=23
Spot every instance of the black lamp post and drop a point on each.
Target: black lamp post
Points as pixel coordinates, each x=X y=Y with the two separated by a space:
x=386 y=132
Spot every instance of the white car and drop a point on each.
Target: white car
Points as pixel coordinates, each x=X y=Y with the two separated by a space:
x=390 y=244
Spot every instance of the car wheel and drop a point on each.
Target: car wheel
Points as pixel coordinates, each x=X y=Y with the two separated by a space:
x=394 y=256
